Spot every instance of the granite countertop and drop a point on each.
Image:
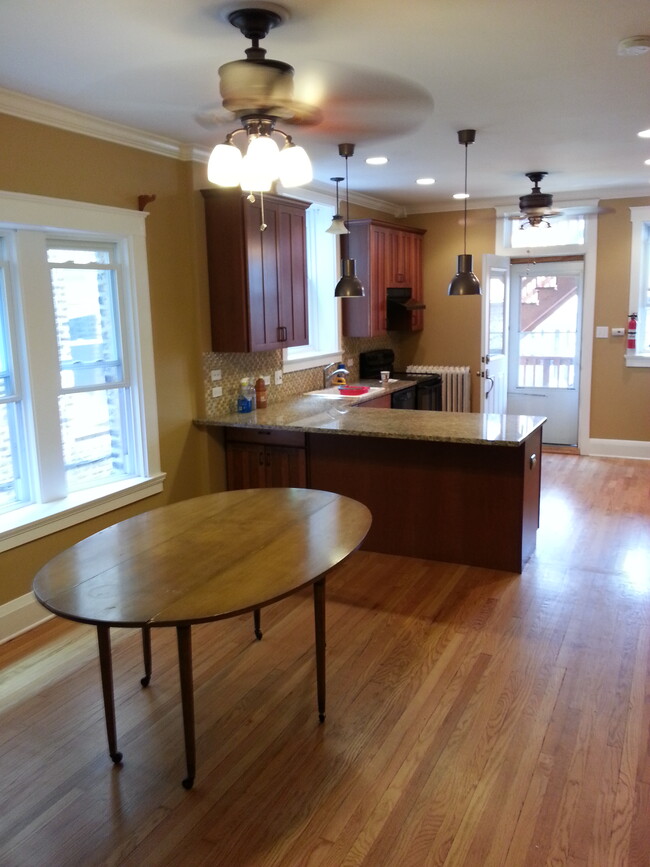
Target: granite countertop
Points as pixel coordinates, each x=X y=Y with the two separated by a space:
x=314 y=414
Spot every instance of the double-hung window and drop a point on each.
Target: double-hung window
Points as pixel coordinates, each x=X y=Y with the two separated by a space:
x=78 y=428
x=640 y=287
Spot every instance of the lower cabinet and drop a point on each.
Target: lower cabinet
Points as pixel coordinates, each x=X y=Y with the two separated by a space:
x=265 y=459
x=383 y=402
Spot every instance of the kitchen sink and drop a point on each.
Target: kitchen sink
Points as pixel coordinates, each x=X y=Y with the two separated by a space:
x=333 y=392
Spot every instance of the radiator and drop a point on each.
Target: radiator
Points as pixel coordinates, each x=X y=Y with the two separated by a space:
x=456 y=384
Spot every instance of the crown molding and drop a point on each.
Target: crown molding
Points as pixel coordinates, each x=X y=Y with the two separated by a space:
x=48 y=113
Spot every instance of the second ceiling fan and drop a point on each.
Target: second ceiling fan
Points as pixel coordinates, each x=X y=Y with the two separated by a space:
x=536 y=207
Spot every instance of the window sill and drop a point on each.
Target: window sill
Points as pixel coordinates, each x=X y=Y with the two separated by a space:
x=638 y=360
x=35 y=521
x=309 y=361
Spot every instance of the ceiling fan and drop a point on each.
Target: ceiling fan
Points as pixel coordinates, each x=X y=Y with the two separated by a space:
x=536 y=207
x=351 y=100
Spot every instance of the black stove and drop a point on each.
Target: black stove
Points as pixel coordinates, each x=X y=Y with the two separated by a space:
x=427 y=387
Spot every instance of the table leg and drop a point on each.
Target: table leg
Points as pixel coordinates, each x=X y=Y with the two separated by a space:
x=319 y=622
x=257 y=623
x=106 y=668
x=146 y=653
x=184 y=639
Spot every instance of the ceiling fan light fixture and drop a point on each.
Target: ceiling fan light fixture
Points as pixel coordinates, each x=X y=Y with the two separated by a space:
x=224 y=165
x=259 y=91
x=465 y=282
x=294 y=165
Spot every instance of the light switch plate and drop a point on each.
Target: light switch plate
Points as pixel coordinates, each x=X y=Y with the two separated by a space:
x=217 y=391
x=278 y=377
x=602 y=331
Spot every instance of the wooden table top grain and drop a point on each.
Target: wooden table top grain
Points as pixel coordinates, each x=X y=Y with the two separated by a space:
x=203 y=559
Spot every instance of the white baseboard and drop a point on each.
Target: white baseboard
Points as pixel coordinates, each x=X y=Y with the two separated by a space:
x=639 y=449
x=19 y=615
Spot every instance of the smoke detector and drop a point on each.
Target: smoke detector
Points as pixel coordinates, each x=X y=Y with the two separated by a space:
x=634 y=45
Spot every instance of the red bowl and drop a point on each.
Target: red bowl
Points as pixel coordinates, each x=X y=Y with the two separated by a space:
x=354 y=389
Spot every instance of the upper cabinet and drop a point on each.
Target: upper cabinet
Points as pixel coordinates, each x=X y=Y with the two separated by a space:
x=387 y=257
x=258 y=277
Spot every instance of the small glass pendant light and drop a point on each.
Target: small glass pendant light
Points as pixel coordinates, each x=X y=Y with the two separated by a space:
x=338 y=226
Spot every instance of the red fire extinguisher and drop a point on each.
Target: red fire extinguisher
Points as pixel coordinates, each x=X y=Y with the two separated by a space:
x=631 y=331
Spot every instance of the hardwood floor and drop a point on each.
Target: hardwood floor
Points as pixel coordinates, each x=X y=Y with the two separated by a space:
x=474 y=717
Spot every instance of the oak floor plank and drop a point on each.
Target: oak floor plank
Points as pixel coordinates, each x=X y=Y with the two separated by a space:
x=475 y=718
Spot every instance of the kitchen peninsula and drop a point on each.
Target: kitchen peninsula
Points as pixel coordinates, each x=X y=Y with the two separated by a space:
x=457 y=487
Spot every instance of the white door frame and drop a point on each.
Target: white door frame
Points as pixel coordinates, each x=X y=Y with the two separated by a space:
x=589 y=249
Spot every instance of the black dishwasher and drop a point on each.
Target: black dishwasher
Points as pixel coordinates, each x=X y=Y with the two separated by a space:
x=403 y=399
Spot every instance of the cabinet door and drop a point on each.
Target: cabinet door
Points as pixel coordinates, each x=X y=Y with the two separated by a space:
x=258 y=277
x=292 y=276
x=286 y=467
x=245 y=466
x=381 y=267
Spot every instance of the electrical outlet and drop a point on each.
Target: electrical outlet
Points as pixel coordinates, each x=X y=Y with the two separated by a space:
x=215 y=375
x=278 y=377
x=349 y=363
x=267 y=380
x=217 y=391
x=618 y=332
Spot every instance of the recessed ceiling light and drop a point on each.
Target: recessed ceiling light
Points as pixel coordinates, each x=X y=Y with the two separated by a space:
x=424 y=182
x=461 y=196
x=377 y=161
x=647 y=162
x=645 y=133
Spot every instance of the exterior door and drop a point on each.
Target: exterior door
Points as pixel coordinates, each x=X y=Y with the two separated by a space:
x=544 y=368
x=494 y=342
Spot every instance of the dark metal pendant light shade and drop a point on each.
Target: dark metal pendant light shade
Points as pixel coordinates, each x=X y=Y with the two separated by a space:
x=465 y=282
x=349 y=286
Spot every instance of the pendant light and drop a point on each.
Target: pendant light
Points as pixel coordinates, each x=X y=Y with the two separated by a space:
x=349 y=286
x=465 y=282
x=338 y=226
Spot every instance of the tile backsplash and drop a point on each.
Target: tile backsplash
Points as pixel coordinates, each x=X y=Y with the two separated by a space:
x=235 y=365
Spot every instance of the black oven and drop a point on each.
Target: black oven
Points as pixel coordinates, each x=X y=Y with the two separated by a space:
x=426 y=392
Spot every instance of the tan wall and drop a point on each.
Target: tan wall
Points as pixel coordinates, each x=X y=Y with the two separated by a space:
x=41 y=160
x=620 y=395
x=452 y=330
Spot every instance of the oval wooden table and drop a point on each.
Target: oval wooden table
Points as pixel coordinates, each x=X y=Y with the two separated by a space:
x=198 y=560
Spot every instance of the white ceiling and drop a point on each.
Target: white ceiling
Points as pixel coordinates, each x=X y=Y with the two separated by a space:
x=541 y=82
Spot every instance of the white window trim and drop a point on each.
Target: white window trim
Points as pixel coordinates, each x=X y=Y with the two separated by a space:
x=295 y=360
x=638 y=217
x=126 y=227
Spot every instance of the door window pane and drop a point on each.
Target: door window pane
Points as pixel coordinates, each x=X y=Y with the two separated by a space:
x=548 y=331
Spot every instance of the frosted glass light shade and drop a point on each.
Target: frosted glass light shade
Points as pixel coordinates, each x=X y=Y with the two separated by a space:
x=224 y=165
x=294 y=166
x=338 y=226
x=259 y=168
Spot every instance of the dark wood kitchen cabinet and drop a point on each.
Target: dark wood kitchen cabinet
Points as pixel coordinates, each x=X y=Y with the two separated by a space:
x=265 y=459
x=258 y=279
x=386 y=256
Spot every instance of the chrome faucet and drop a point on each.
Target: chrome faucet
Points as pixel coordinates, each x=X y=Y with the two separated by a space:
x=328 y=374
